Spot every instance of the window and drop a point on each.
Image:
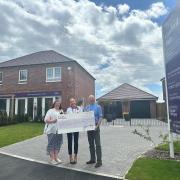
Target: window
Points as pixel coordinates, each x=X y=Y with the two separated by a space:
x=53 y=74
x=1 y=77
x=23 y=75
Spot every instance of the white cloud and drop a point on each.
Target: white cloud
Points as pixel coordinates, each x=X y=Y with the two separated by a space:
x=123 y=8
x=114 y=48
x=156 y=10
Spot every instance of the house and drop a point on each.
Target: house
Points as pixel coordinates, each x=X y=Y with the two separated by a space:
x=29 y=84
x=129 y=99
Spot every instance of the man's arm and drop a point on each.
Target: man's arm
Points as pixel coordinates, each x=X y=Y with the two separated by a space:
x=100 y=116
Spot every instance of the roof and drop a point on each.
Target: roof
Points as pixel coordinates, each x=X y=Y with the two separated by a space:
x=127 y=92
x=41 y=57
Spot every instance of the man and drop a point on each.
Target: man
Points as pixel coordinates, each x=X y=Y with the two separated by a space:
x=94 y=135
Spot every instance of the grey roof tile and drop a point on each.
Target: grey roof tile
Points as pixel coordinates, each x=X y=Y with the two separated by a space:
x=127 y=92
x=41 y=57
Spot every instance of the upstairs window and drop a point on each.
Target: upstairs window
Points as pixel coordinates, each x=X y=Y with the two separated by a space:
x=53 y=74
x=1 y=77
x=23 y=75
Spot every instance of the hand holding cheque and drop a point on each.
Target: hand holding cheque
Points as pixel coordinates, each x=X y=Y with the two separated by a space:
x=75 y=122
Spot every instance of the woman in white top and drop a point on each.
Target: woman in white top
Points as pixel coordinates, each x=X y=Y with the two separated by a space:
x=75 y=135
x=54 y=140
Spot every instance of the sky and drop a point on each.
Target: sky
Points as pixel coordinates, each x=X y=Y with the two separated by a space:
x=117 y=41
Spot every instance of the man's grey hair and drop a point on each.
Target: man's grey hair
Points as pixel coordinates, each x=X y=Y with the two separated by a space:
x=91 y=96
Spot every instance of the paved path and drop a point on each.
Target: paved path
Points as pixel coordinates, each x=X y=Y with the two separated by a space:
x=12 y=168
x=120 y=148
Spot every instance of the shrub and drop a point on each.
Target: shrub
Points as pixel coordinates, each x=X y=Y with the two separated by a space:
x=3 y=118
x=38 y=119
x=6 y=120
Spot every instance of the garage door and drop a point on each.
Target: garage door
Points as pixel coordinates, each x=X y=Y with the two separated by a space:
x=140 y=109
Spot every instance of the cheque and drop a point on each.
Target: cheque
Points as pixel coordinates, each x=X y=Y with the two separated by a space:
x=76 y=122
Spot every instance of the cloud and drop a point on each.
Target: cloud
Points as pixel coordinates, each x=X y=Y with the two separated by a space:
x=115 y=44
x=156 y=10
x=123 y=8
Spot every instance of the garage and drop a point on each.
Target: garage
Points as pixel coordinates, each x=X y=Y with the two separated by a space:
x=128 y=99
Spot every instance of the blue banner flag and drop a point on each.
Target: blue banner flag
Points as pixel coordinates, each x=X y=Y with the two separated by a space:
x=171 y=45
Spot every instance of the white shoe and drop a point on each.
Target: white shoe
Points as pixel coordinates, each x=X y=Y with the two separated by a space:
x=58 y=161
x=53 y=162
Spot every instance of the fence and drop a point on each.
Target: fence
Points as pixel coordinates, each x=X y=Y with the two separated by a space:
x=135 y=122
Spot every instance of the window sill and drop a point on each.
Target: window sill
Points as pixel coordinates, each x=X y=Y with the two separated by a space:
x=22 y=82
x=49 y=81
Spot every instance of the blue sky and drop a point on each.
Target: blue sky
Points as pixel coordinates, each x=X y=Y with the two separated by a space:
x=138 y=4
x=135 y=4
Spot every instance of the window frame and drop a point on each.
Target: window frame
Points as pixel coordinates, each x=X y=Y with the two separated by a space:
x=23 y=81
x=1 y=81
x=53 y=79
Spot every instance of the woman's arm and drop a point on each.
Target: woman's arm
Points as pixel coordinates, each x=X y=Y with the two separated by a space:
x=49 y=118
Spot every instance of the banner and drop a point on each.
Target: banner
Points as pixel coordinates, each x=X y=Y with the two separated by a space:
x=171 y=45
x=76 y=122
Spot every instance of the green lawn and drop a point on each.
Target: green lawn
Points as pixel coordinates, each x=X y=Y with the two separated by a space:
x=165 y=147
x=15 y=133
x=153 y=169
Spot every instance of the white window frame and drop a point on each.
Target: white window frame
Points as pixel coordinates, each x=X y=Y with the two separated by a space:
x=23 y=81
x=1 y=81
x=53 y=79
x=16 y=104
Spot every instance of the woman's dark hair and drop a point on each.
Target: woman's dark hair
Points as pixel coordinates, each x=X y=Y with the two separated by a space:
x=53 y=105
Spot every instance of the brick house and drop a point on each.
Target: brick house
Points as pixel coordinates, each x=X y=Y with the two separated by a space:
x=29 y=84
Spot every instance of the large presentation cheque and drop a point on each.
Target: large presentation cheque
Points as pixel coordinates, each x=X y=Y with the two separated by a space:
x=76 y=122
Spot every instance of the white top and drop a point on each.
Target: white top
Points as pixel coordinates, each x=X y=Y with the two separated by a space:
x=51 y=127
x=74 y=110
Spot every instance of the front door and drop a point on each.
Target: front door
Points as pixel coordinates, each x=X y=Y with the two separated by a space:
x=39 y=108
x=21 y=106
x=30 y=107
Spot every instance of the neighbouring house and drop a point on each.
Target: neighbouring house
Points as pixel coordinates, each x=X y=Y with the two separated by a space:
x=129 y=99
x=29 y=84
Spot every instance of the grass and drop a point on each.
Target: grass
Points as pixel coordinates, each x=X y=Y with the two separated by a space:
x=165 y=147
x=154 y=169
x=15 y=133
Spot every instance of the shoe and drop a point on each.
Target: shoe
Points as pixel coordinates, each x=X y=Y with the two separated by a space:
x=71 y=159
x=58 y=161
x=90 y=162
x=98 y=164
x=53 y=162
x=73 y=162
x=75 y=159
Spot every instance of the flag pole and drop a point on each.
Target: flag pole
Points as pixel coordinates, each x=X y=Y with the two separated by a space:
x=171 y=144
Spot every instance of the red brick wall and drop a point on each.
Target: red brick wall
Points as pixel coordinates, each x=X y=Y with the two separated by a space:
x=37 y=81
x=85 y=85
